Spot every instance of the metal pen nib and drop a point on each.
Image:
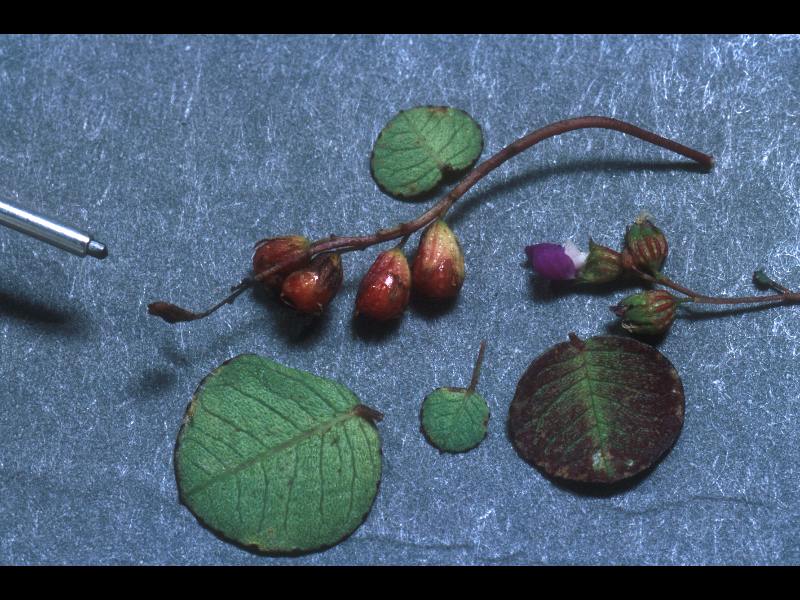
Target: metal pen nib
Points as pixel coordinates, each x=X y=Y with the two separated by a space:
x=47 y=230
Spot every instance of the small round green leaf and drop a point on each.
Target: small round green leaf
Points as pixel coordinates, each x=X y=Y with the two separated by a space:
x=454 y=419
x=599 y=410
x=418 y=146
x=276 y=458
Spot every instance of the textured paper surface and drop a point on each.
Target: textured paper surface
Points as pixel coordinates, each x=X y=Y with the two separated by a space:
x=181 y=152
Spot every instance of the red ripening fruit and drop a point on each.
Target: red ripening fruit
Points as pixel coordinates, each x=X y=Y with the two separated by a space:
x=438 y=269
x=310 y=290
x=273 y=251
x=385 y=289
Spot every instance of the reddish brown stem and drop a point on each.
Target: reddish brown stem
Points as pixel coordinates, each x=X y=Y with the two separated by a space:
x=790 y=297
x=784 y=296
x=440 y=208
x=664 y=280
x=349 y=243
x=476 y=370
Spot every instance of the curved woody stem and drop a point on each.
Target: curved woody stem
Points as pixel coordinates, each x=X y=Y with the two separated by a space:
x=172 y=313
x=440 y=208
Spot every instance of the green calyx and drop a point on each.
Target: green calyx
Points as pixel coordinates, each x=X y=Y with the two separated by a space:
x=602 y=265
x=647 y=313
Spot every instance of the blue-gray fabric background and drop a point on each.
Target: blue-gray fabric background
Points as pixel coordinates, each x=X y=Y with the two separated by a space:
x=181 y=152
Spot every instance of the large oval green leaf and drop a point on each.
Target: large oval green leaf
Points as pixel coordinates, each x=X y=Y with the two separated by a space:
x=277 y=458
x=599 y=410
x=418 y=146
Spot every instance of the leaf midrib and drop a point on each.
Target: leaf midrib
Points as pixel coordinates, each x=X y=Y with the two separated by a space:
x=602 y=432
x=321 y=429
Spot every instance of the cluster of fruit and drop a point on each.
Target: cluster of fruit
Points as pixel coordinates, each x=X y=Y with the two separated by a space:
x=308 y=283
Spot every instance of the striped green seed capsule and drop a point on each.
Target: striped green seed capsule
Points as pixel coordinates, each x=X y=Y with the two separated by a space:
x=646 y=245
x=647 y=313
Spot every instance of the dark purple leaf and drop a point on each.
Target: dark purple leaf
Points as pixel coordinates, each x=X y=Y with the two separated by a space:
x=599 y=410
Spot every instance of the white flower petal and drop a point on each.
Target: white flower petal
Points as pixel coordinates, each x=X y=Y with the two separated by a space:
x=577 y=257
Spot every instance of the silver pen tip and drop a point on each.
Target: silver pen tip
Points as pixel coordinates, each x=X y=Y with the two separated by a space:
x=97 y=249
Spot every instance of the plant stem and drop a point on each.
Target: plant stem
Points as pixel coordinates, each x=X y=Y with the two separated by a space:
x=351 y=243
x=476 y=370
x=664 y=280
x=790 y=297
x=236 y=291
x=440 y=208
x=786 y=294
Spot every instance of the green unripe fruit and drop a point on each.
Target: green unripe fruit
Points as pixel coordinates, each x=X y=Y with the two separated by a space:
x=649 y=313
x=646 y=245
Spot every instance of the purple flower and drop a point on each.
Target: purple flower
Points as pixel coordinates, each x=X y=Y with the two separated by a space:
x=555 y=261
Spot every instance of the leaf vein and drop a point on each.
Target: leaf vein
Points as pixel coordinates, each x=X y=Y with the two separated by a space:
x=232 y=425
x=313 y=391
x=321 y=479
x=352 y=469
x=422 y=141
x=193 y=439
x=266 y=498
x=575 y=421
x=367 y=445
x=266 y=405
x=289 y=494
x=271 y=451
x=216 y=439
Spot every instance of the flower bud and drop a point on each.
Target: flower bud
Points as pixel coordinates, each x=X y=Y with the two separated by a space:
x=270 y=252
x=646 y=245
x=309 y=290
x=385 y=289
x=649 y=313
x=761 y=279
x=601 y=266
x=438 y=269
x=554 y=261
